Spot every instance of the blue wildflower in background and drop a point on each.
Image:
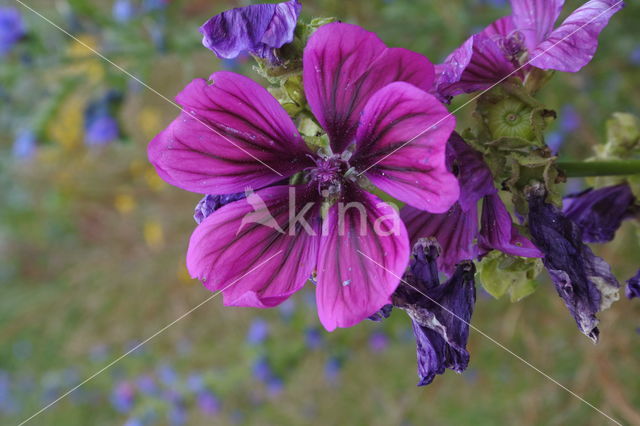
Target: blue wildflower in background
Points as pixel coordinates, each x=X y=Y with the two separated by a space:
x=634 y=57
x=378 y=342
x=258 y=332
x=122 y=397
x=208 y=403
x=332 y=369
x=262 y=370
x=123 y=11
x=101 y=125
x=12 y=29
x=313 y=338
x=24 y=147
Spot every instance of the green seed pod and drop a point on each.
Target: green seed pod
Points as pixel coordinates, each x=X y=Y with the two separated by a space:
x=510 y=118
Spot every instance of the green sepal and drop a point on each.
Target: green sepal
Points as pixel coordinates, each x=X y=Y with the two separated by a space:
x=500 y=274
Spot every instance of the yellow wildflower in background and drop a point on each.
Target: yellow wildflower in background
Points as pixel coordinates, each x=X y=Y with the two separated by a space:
x=67 y=128
x=153 y=234
x=124 y=203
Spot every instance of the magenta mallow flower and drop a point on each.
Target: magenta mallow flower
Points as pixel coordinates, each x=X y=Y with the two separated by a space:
x=457 y=230
x=600 y=212
x=526 y=37
x=583 y=280
x=440 y=312
x=383 y=130
x=260 y=29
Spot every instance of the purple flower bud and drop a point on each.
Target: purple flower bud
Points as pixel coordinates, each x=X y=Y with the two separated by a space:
x=600 y=212
x=259 y=29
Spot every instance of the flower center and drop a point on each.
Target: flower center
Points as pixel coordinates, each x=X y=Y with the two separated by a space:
x=330 y=173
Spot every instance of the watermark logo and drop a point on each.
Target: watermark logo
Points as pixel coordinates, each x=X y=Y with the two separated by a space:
x=348 y=218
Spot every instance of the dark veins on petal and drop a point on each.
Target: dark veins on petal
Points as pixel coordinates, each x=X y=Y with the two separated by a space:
x=583 y=280
x=440 y=313
x=600 y=212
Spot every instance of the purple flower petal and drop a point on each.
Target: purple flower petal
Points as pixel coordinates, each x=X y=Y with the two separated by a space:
x=572 y=45
x=583 y=280
x=473 y=174
x=440 y=312
x=259 y=29
x=455 y=231
x=344 y=66
x=535 y=18
x=351 y=287
x=600 y=212
x=633 y=286
x=498 y=231
x=252 y=251
x=402 y=139
x=479 y=63
x=239 y=130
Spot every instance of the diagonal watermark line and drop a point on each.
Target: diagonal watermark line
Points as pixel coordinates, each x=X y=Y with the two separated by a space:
x=476 y=329
x=162 y=330
x=486 y=90
x=124 y=71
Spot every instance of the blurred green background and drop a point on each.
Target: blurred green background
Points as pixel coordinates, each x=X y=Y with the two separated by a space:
x=92 y=247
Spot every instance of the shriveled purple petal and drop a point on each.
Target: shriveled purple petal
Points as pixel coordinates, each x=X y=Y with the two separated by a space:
x=231 y=135
x=401 y=142
x=498 y=232
x=535 y=18
x=211 y=203
x=382 y=314
x=472 y=172
x=583 y=280
x=259 y=29
x=572 y=45
x=344 y=66
x=455 y=231
x=251 y=250
x=440 y=312
x=633 y=286
x=363 y=254
x=479 y=63
x=600 y=212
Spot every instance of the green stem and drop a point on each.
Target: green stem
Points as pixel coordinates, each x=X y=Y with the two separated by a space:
x=599 y=168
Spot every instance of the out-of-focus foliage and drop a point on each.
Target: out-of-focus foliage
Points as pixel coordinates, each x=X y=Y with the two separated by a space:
x=92 y=246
